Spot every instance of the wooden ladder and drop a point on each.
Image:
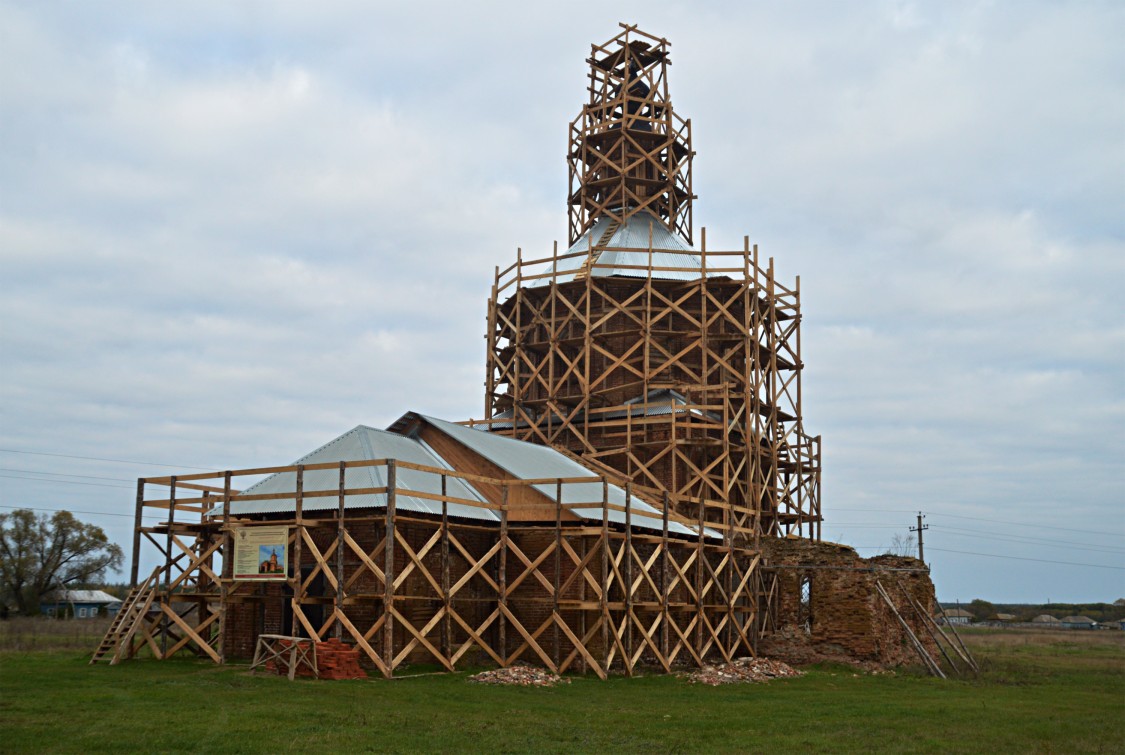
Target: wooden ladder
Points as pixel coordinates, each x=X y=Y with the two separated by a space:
x=608 y=234
x=129 y=617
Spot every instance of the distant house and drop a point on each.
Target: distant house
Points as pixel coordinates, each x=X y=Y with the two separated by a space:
x=957 y=616
x=1118 y=624
x=1003 y=617
x=81 y=604
x=1046 y=620
x=1078 y=622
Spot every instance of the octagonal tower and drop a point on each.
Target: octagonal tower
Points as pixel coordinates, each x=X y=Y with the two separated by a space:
x=675 y=367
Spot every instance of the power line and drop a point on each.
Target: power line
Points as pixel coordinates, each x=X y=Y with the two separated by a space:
x=958 y=532
x=868 y=525
x=1020 y=558
x=76 y=511
x=981 y=519
x=66 y=482
x=64 y=474
x=1022 y=524
x=98 y=458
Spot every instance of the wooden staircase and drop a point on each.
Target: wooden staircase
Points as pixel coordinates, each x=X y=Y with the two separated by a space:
x=129 y=618
x=609 y=232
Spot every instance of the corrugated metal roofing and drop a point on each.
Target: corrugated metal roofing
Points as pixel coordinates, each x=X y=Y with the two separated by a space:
x=362 y=444
x=669 y=250
x=659 y=403
x=529 y=461
x=520 y=459
x=81 y=596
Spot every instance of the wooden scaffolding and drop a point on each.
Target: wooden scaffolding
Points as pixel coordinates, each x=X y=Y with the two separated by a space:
x=677 y=368
x=409 y=588
x=629 y=152
x=669 y=372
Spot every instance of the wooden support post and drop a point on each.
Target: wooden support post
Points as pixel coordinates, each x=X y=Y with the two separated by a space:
x=605 y=575
x=930 y=663
x=446 y=601
x=558 y=569
x=664 y=577
x=965 y=654
x=700 y=554
x=338 y=626
x=502 y=622
x=228 y=568
x=924 y=619
x=295 y=580
x=628 y=659
x=138 y=522
x=167 y=598
x=730 y=584
x=389 y=574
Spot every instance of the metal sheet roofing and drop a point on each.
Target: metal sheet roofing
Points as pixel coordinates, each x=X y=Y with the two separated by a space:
x=529 y=461
x=520 y=459
x=669 y=250
x=363 y=444
x=81 y=596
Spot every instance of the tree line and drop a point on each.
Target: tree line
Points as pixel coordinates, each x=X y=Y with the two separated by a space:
x=983 y=610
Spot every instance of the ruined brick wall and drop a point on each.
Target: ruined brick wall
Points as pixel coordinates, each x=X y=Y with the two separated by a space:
x=832 y=610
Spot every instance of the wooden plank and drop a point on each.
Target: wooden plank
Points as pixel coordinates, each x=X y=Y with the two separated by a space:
x=389 y=572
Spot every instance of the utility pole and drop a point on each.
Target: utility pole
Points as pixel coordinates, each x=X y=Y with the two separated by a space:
x=919 y=529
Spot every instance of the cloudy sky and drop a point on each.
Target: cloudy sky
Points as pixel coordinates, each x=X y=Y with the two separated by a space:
x=230 y=231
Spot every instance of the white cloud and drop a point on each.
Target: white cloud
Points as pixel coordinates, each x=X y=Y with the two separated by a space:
x=230 y=234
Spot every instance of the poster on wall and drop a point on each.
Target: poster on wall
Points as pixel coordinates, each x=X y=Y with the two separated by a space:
x=260 y=553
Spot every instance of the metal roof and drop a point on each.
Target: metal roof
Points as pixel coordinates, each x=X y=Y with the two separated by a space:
x=529 y=461
x=81 y=596
x=363 y=444
x=657 y=403
x=632 y=238
x=522 y=460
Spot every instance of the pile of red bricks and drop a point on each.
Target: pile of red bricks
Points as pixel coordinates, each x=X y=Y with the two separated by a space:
x=334 y=660
x=337 y=660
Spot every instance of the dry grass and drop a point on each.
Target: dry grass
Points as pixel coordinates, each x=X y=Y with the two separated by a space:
x=1003 y=638
x=46 y=633
x=1049 y=650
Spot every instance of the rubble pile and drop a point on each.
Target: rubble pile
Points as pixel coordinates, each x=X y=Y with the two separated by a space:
x=519 y=675
x=741 y=670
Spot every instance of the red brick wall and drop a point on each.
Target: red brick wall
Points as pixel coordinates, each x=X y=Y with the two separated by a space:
x=849 y=621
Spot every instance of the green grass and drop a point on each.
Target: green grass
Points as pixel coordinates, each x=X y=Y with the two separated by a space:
x=1058 y=692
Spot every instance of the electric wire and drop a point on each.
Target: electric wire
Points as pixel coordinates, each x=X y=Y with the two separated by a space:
x=64 y=474
x=1022 y=558
x=77 y=511
x=66 y=482
x=99 y=458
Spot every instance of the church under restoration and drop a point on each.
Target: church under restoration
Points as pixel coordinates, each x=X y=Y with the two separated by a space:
x=642 y=451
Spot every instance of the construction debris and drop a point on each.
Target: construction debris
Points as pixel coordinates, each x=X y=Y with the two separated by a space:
x=335 y=659
x=519 y=675
x=740 y=671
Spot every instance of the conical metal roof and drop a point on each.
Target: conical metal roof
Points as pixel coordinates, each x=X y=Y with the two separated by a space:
x=642 y=240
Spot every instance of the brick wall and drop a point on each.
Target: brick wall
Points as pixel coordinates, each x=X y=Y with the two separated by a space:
x=844 y=617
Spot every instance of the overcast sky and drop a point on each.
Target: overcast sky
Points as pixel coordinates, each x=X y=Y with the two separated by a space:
x=232 y=231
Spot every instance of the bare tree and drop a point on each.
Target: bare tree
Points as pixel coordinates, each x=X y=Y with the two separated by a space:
x=901 y=545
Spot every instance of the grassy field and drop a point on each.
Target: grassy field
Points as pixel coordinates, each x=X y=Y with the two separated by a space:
x=1039 y=692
